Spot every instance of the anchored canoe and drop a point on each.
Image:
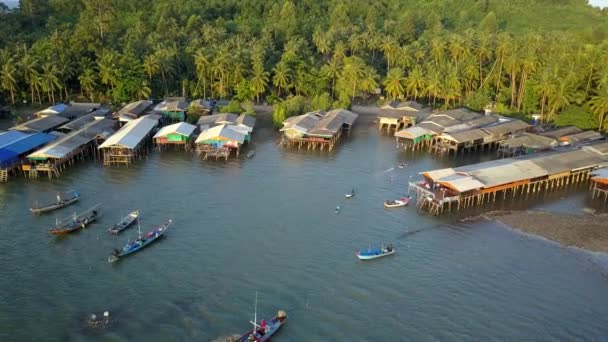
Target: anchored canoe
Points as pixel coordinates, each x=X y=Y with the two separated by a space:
x=62 y=201
x=125 y=223
x=138 y=244
x=76 y=223
x=374 y=253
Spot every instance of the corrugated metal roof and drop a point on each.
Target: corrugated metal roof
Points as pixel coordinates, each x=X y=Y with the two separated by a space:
x=78 y=109
x=438 y=174
x=29 y=143
x=9 y=137
x=462 y=183
x=583 y=137
x=222 y=131
x=131 y=134
x=84 y=120
x=303 y=123
x=217 y=119
x=67 y=143
x=56 y=109
x=134 y=109
x=245 y=120
x=172 y=104
x=600 y=148
x=507 y=127
x=413 y=132
x=466 y=136
x=181 y=128
x=333 y=121
x=561 y=132
x=600 y=173
x=44 y=124
x=530 y=140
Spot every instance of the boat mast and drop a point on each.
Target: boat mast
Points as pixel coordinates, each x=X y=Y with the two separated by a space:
x=255 y=311
x=139 y=229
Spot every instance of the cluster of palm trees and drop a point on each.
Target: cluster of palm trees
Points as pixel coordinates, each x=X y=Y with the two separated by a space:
x=534 y=72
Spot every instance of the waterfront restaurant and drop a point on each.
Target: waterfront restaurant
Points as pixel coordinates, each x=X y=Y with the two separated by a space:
x=474 y=185
x=14 y=146
x=129 y=142
x=317 y=129
x=178 y=134
x=397 y=115
x=219 y=141
x=173 y=109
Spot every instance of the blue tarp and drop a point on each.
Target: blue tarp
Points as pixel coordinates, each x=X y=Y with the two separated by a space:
x=7 y=157
x=29 y=143
x=9 y=137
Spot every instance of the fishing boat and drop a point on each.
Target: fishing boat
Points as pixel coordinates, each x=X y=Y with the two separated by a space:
x=265 y=330
x=62 y=201
x=76 y=222
x=402 y=165
x=397 y=203
x=351 y=194
x=337 y=211
x=125 y=222
x=143 y=241
x=374 y=253
x=250 y=154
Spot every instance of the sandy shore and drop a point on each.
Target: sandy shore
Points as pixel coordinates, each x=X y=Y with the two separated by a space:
x=584 y=231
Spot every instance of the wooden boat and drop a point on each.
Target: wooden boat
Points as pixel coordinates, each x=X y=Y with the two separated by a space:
x=263 y=332
x=397 y=203
x=374 y=253
x=62 y=201
x=141 y=242
x=351 y=194
x=125 y=222
x=76 y=222
x=250 y=154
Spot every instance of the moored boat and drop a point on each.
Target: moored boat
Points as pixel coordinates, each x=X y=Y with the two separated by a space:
x=374 y=253
x=402 y=165
x=125 y=222
x=397 y=203
x=77 y=222
x=351 y=194
x=68 y=198
x=143 y=241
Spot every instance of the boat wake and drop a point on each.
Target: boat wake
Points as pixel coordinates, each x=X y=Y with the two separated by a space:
x=416 y=231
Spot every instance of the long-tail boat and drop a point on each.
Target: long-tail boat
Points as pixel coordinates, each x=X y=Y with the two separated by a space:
x=125 y=222
x=76 y=222
x=68 y=198
x=143 y=241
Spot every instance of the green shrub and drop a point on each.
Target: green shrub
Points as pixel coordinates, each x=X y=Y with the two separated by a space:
x=574 y=115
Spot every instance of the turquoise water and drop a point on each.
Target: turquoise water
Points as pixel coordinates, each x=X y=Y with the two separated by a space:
x=267 y=224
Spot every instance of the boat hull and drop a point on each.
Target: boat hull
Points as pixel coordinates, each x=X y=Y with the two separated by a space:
x=272 y=327
x=396 y=203
x=125 y=223
x=137 y=245
x=55 y=206
x=371 y=257
x=74 y=226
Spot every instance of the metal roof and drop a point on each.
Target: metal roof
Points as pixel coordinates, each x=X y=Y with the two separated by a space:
x=84 y=120
x=462 y=183
x=172 y=104
x=56 y=109
x=10 y=137
x=507 y=127
x=333 y=121
x=600 y=173
x=134 y=109
x=403 y=106
x=7 y=157
x=43 y=124
x=78 y=109
x=583 y=137
x=601 y=148
x=224 y=132
x=181 y=128
x=131 y=134
x=68 y=143
x=413 y=132
x=466 y=136
x=29 y=142
x=561 y=132
x=217 y=119
x=245 y=120
x=204 y=104
x=303 y=123
x=530 y=140
x=475 y=123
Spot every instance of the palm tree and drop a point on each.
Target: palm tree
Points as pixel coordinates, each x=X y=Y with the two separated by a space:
x=281 y=76
x=393 y=84
x=352 y=73
x=331 y=70
x=151 y=66
x=405 y=57
x=503 y=47
x=8 y=78
x=321 y=40
x=434 y=83
x=88 y=81
x=389 y=47
x=201 y=63
x=451 y=86
x=528 y=65
x=599 y=106
x=259 y=80
x=65 y=72
x=143 y=91
x=437 y=50
x=457 y=49
x=339 y=51
x=560 y=97
x=50 y=81
x=415 y=82
x=220 y=69
x=28 y=66
x=108 y=71
x=368 y=81
x=544 y=89
x=355 y=43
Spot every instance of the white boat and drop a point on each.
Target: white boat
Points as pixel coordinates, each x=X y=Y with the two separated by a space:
x=397 y=203
x=351 y=194
x=374 y=253
x=402 y=165
x=250 y=154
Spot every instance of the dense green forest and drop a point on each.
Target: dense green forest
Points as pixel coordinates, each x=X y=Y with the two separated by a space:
x=528 y=56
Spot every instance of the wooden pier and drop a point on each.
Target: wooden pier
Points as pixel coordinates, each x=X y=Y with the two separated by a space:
x=455 y=189
x=599 y=185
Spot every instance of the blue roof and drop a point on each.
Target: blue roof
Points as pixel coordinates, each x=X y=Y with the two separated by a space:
x=59 y=108
x=29 y=143
x=7 y=157
x=10 y=137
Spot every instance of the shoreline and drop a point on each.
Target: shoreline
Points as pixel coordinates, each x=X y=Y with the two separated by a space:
x=586 y=231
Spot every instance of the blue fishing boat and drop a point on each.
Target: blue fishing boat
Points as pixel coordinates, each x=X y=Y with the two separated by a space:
x=141 y=242
x=374 y=253
x=265 y=330
x=125 y=222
